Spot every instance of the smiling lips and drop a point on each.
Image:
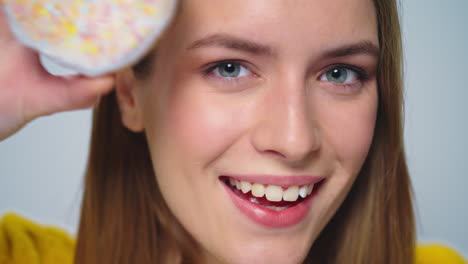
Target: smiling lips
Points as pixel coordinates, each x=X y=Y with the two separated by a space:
x=272 y=201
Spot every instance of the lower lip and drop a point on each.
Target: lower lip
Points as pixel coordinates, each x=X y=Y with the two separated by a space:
x=270 y=218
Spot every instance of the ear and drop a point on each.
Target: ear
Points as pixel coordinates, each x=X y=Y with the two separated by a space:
x=130 y=105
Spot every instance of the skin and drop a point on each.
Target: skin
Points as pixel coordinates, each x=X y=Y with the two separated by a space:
x=281 y=117
x=34 y=92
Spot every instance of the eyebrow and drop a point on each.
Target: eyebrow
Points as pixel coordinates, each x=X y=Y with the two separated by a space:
x=232 y=42
x=362 y=47
x=236 y=43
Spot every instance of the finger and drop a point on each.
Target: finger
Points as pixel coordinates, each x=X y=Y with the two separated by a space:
x=64 y=94
x=85 y=92
x=40 y=93
x=37 y=91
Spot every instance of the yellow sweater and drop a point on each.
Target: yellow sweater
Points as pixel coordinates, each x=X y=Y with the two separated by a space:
x=23 y=242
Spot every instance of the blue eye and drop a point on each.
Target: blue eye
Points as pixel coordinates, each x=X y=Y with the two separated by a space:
x=340 y=75
x=230 y=70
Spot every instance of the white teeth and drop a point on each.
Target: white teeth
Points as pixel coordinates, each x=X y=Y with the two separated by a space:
x=309 y=189
x=232 y=182
x=291 y=194
x=245 y=186
x=274 y=193
x=303 y=191
x=258 y=190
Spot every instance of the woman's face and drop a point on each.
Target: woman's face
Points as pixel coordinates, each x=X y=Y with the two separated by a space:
x=274 y=96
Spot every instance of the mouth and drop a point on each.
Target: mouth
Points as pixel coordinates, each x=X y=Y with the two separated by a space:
x=270 y=205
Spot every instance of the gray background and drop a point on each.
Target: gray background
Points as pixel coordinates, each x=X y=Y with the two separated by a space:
x=41 y=167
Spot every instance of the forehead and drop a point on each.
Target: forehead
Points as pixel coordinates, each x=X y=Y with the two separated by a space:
x=282 y=23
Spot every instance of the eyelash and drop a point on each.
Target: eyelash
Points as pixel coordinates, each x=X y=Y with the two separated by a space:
x=209 y=71
x=362 y=75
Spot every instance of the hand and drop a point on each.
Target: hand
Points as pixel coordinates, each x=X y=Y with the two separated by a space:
x=27 y=91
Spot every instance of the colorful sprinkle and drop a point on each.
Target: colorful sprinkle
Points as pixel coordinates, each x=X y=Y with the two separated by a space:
x=96 y=30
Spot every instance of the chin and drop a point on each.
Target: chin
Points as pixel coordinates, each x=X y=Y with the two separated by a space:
x=262 y=252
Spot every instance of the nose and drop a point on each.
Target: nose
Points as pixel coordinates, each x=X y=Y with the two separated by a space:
x=286 y=126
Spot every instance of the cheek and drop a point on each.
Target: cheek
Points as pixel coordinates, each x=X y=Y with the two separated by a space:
x=348 y=128
x=195 y=125
x=201 y=128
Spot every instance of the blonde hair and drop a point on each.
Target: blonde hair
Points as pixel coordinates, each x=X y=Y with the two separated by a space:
x=126 y=220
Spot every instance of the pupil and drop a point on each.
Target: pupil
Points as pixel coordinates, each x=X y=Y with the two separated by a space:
x=229 y=68
x=336 y=73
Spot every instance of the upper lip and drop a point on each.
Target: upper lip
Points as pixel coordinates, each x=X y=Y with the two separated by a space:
x=280 y=180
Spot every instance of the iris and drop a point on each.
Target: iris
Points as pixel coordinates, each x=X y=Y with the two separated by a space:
x=229 y=70
x=337 y=75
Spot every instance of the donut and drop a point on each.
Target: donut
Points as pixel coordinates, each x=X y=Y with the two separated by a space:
x=89 y=37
